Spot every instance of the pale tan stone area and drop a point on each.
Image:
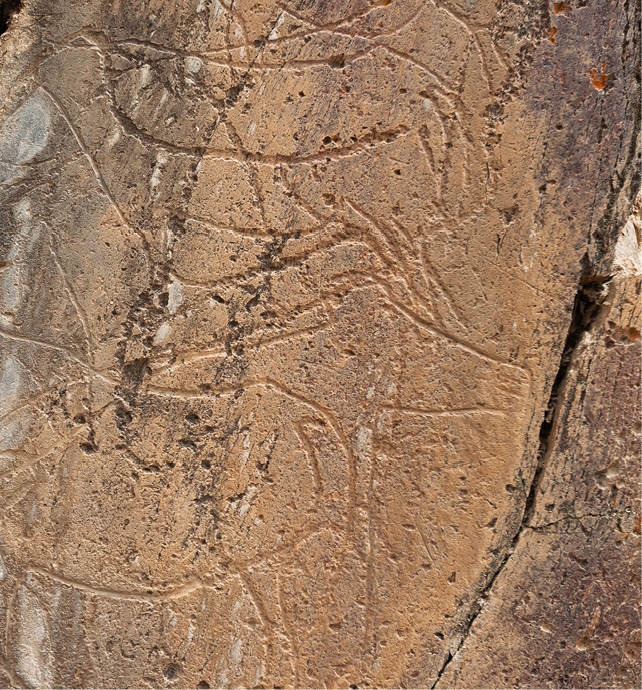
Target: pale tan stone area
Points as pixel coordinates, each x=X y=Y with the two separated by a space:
x=319 y=344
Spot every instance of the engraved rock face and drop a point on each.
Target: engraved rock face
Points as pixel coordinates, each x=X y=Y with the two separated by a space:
x=284 y=292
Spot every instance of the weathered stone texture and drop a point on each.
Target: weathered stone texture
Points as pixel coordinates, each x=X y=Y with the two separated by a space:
x=285 y=289
x=565 y=610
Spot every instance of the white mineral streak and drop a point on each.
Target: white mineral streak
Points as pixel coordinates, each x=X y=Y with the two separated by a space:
x=628 y=250
x=33 y=643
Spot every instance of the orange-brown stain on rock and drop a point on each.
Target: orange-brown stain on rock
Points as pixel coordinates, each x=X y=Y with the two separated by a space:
x=600 y=79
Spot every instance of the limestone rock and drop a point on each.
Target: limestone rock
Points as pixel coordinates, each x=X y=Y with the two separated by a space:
x=319 y=343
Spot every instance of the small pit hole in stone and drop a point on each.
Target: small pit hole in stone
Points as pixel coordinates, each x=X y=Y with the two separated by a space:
x=171 y=672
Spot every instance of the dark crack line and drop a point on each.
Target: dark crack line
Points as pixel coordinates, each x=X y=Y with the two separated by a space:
x=589 y=300
x=578 y=518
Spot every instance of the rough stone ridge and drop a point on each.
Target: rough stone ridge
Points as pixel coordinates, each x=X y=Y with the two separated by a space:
x=319 y=343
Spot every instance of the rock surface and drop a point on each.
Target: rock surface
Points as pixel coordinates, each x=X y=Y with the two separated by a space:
x=320 y=344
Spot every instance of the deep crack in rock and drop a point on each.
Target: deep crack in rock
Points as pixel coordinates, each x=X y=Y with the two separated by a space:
x=589 y=299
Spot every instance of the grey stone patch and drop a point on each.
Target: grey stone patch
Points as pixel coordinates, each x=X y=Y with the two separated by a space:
x=24 y=134
x=33 y=648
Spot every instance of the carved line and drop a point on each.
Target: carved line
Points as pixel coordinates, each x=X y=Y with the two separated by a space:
x=98 y=175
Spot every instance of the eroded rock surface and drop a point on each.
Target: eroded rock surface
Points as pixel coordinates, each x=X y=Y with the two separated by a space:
x=319 y=340
x=564 y=611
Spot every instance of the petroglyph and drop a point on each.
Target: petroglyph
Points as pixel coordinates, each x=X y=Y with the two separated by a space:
x=283 y=290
